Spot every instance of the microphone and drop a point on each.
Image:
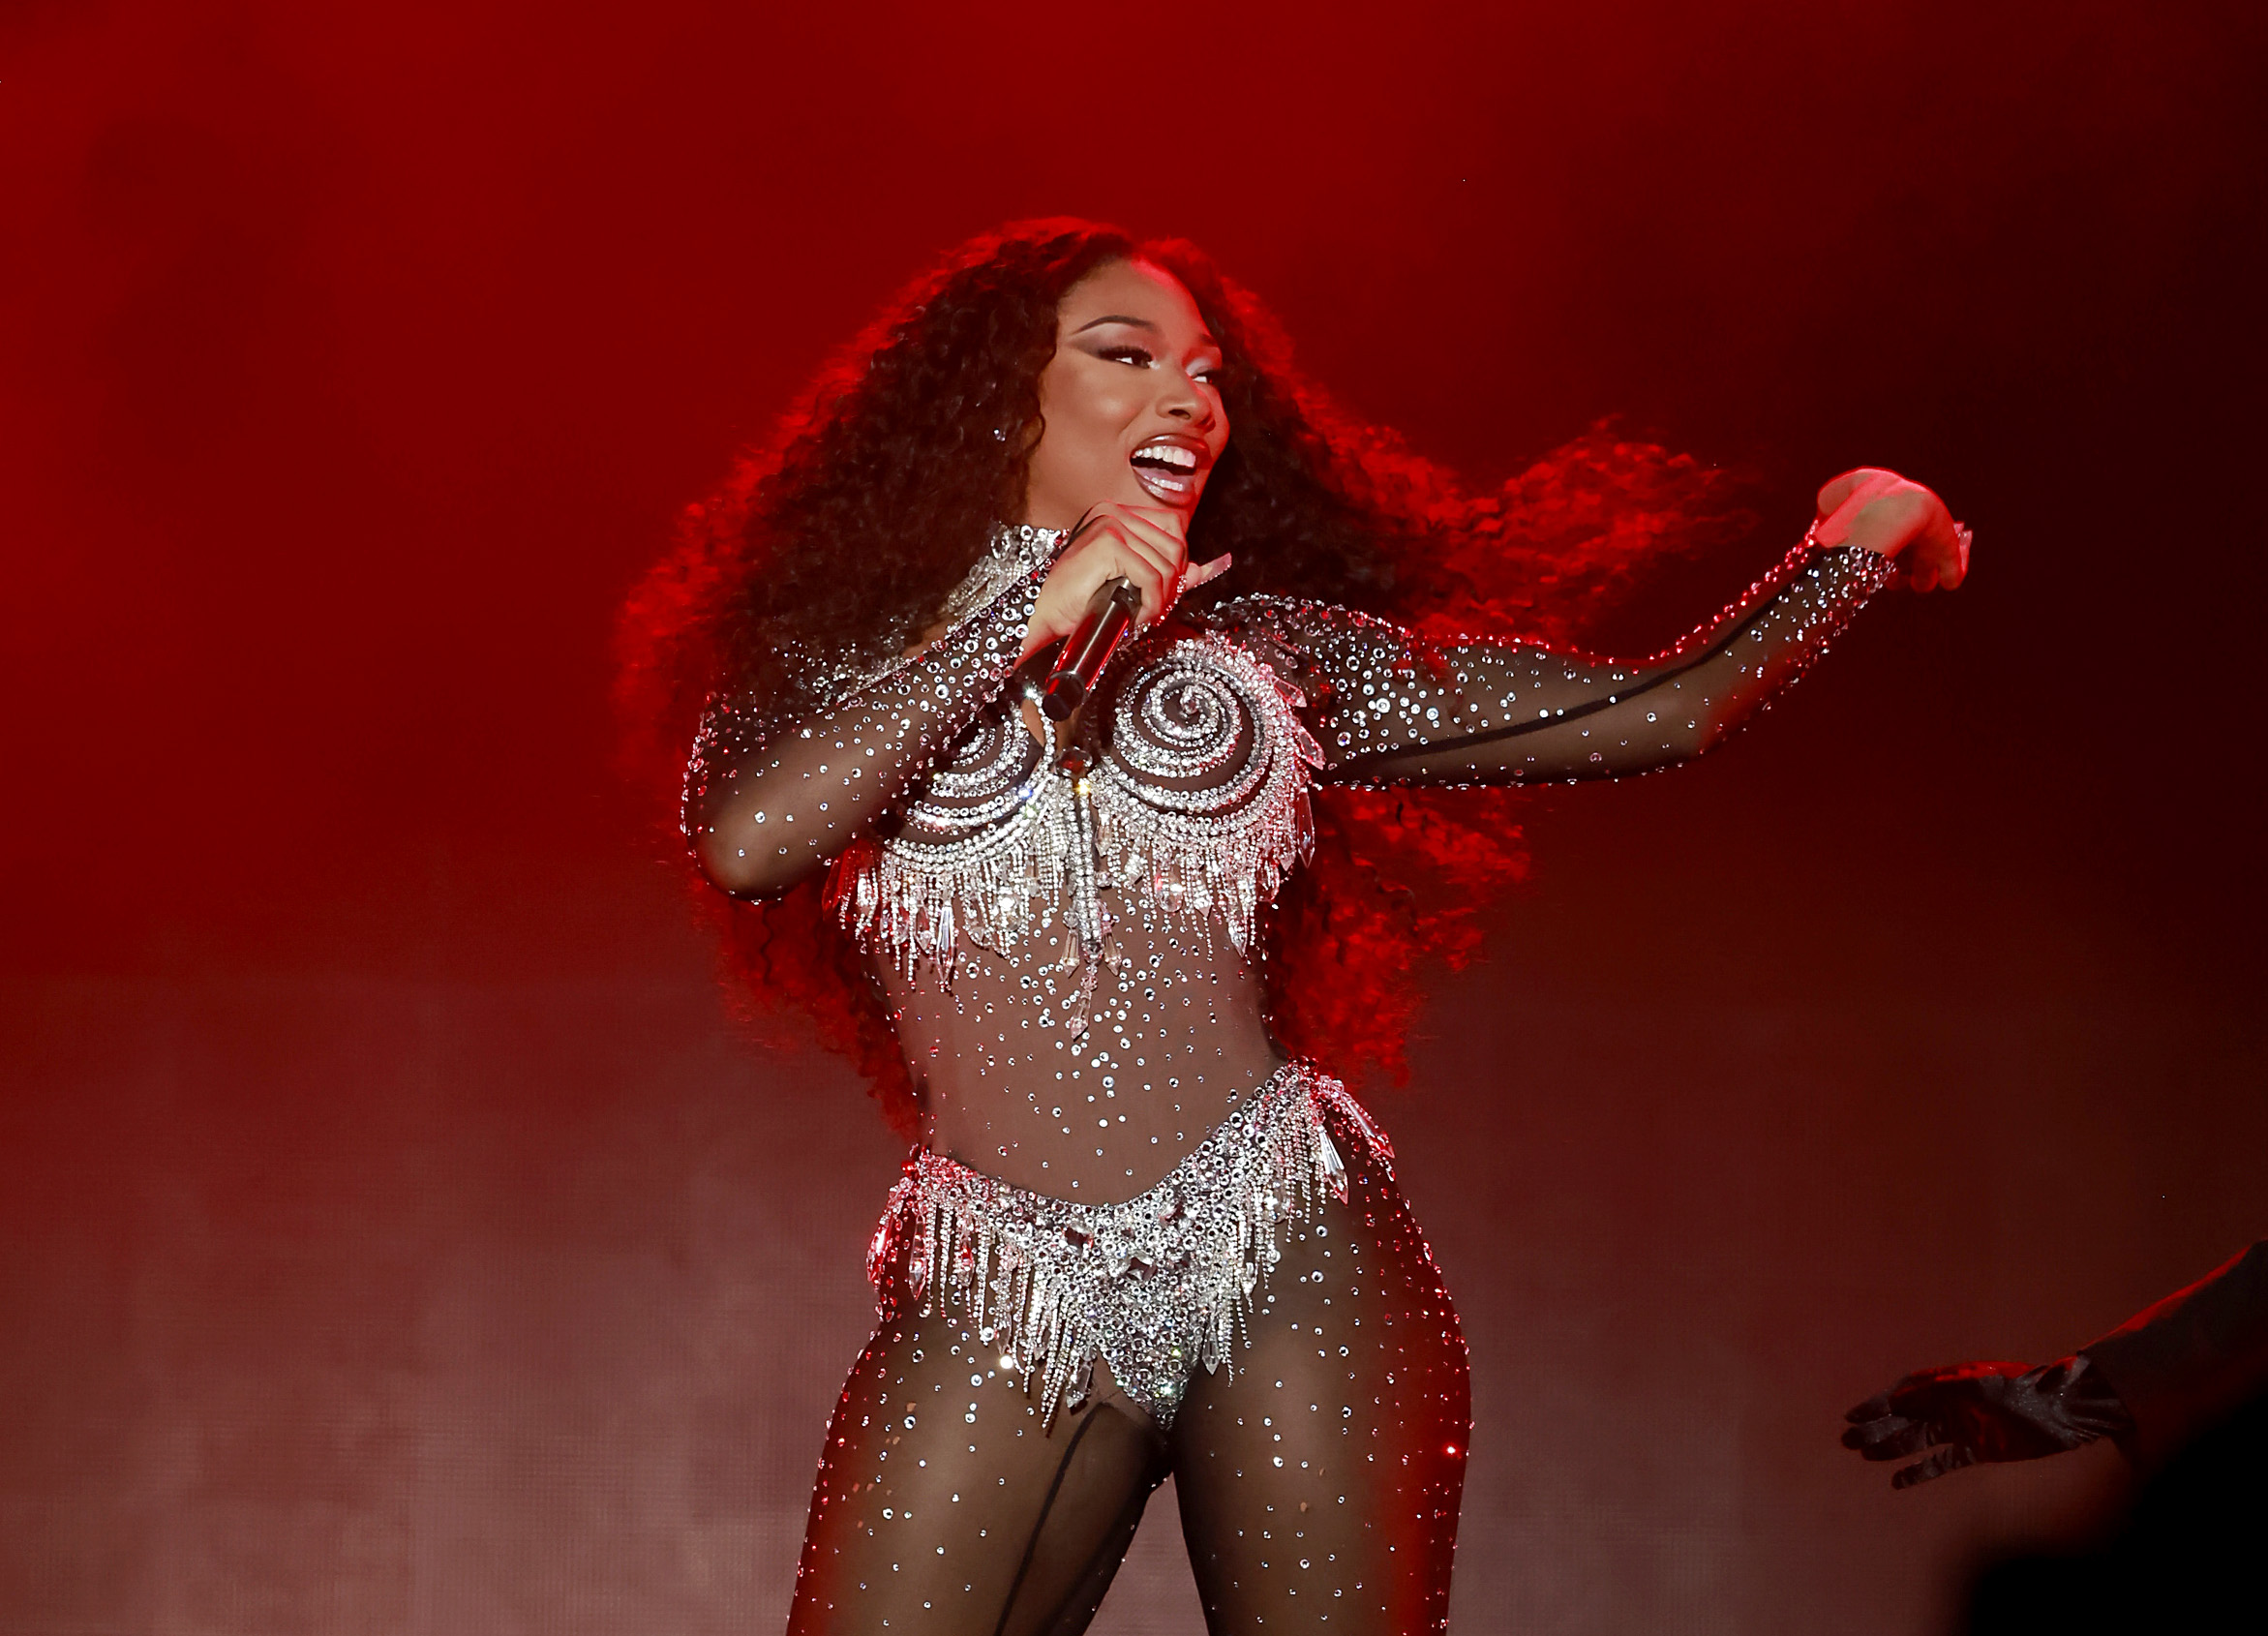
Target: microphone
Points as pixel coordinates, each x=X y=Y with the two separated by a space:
x=1089 y=649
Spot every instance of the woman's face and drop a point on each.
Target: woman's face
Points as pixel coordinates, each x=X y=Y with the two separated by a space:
x=1130 y=403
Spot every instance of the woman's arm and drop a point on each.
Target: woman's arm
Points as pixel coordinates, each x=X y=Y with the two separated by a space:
x=769 y=799
x=1392 y=707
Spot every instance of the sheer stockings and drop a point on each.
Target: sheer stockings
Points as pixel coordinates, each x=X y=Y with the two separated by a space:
x=943 y=1505
x=1318 y=1484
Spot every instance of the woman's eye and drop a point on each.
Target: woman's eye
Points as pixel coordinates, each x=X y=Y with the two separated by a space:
x=1133 y=355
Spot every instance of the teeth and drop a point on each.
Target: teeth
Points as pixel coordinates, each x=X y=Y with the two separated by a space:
x=1170 y=454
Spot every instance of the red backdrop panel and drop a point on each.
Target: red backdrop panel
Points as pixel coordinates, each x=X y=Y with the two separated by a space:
x=392 y=1237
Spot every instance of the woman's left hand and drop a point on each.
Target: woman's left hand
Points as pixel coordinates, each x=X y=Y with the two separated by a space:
x=1880 y=512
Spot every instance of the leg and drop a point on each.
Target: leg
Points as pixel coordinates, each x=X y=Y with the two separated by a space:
x=942 y=1505
x=1320 y=1486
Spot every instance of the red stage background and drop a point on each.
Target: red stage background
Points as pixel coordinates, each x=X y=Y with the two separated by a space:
x=392 y=1235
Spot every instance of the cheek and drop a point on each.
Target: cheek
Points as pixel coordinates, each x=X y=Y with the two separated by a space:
x=1084 y=417
x=1107 y=405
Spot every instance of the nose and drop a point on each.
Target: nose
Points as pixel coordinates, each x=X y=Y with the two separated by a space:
x=1183 y=399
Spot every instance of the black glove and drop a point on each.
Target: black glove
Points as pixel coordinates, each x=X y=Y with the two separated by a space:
x=1985 y=1411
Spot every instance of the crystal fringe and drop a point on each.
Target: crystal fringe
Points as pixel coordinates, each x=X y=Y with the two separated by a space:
x=917 y=903
x=1154 y=1286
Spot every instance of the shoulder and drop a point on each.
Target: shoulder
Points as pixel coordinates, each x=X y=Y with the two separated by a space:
x=1320 y=648
x=794 y=681
x=1300 y=627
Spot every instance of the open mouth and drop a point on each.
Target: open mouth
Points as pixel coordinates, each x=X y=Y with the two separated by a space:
x=1168 y=468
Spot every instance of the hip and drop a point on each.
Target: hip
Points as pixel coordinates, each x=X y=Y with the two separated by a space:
x=1157 y=1285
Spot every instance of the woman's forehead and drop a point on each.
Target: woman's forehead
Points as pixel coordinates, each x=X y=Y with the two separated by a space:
x=1136 y=289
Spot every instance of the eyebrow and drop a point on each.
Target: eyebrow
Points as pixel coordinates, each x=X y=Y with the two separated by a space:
x=1138 y=323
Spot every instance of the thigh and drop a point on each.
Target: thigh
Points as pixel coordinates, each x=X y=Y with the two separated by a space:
x=944 y=1505
x=1319 y=1483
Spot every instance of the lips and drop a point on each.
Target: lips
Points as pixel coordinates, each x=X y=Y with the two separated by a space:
x=1170 y=467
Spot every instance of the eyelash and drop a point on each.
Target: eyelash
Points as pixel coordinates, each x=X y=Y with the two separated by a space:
x=1142 y=358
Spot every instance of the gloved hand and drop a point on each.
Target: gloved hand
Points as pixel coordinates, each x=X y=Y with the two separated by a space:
x=1985 y=1411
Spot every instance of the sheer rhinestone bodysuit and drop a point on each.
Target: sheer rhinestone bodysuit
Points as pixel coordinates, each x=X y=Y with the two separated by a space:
x=1064 y=925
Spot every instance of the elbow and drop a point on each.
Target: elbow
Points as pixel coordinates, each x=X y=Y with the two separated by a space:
x=745 y=870
x=727 y=867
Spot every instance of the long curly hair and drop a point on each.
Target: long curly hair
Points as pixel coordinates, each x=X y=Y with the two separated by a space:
x=878 y=490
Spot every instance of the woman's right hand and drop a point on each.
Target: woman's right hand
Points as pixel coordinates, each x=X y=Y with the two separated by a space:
x=1142 y=544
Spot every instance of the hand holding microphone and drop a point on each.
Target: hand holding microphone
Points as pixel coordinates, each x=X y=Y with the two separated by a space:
x=1123 y=567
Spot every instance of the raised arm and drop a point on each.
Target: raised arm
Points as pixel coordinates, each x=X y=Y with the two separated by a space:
x=1390 y=706
x=1393 y=707
x=770 y=797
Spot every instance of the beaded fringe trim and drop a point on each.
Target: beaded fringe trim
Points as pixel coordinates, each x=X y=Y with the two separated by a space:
x=1154 y=1286
x=983 y=888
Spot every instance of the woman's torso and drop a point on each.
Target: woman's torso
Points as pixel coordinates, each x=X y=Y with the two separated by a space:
x=1074 y=1029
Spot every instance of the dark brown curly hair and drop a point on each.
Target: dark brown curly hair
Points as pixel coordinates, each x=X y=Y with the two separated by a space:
x=879 y=490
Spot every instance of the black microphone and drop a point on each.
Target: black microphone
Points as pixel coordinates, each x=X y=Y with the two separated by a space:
x=1108 y=617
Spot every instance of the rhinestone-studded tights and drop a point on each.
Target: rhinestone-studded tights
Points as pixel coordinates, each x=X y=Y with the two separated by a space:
x=1318 y=1485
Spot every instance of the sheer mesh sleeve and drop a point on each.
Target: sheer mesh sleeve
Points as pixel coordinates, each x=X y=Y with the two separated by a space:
x=770 y=798
x=1390 y=706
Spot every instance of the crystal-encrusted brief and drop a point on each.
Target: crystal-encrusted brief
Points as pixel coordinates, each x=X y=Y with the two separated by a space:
x=1154 y=1286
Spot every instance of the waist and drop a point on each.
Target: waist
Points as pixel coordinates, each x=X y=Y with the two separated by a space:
x=1289 y=1108
x=1085 y=1133
x=1081 y=1080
